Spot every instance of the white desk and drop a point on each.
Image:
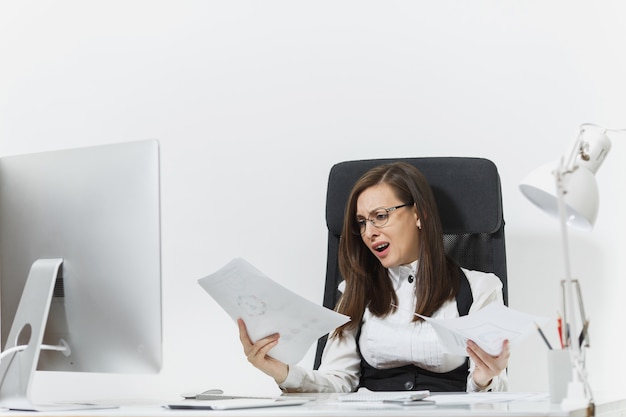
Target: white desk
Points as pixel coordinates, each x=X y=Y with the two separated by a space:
x=327 y=406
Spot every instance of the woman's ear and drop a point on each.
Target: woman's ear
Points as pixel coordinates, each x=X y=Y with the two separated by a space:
x=418 y=222
x=418 y=217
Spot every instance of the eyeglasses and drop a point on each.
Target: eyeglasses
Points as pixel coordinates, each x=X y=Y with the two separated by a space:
x=380 y=218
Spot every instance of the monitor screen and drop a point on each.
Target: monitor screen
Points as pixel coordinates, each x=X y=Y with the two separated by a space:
x=98 y=210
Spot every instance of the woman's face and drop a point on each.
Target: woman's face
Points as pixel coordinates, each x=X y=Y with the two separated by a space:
x=397 y=242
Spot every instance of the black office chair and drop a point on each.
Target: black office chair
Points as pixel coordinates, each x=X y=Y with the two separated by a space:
x=469 y=199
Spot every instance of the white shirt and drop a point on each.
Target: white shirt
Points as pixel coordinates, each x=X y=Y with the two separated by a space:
x=395 y=340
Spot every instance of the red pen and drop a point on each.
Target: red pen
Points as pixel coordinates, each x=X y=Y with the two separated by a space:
x=559 y=327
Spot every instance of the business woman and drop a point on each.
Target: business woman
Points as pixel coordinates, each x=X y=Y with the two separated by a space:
x=392 y=259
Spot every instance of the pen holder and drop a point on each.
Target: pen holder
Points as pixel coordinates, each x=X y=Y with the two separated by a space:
x=559 y=373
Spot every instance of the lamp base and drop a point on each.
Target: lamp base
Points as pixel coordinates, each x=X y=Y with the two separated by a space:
x=576 y=398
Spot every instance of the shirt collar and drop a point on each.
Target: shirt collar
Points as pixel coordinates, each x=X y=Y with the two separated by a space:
x=398 y=274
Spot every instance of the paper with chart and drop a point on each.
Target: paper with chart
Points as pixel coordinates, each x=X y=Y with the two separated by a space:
x=487 y=327
x=267 y=308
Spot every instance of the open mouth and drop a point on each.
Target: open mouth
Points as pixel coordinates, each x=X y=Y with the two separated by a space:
x=381 y=247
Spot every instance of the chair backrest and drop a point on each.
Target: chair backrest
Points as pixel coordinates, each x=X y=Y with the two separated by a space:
x=469 y=199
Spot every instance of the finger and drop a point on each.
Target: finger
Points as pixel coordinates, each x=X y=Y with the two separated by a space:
x=243 y=333
x=484 y=355
x=262 y=343
x=495 y=364
x=476 y=359
x=505 y=349
x=477 y=351
x=258 y=354
x=483 y=359
x=266 y=348
x=501 y=360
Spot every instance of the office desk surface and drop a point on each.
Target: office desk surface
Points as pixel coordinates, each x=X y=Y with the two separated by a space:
x=327 y=406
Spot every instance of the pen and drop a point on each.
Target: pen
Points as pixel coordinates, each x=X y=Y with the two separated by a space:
x=543 y=336
x=559 y=327
x=583 y=333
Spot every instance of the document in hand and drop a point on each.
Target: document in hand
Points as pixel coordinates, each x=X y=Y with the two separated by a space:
x=267 y=308
x=487 y=327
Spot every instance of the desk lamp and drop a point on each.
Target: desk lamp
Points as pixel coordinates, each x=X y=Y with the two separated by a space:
x=567 y=189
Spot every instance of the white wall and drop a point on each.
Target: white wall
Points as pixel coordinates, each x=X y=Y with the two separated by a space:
x=253 y=102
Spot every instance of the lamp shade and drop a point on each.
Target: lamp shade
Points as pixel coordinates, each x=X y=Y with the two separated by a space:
x=581 y=195
x=573 y=177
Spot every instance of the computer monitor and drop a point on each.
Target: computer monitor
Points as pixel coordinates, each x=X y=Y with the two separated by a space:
x=84 y=223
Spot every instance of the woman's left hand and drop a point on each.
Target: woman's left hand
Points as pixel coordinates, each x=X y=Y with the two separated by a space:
x=487 y=366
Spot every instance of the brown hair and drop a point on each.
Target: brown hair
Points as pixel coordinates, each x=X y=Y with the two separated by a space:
x=367 y=282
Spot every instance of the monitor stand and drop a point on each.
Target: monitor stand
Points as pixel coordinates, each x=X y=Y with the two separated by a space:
x=17 y=369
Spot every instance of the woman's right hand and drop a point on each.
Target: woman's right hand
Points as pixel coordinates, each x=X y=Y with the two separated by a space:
x=257 y=354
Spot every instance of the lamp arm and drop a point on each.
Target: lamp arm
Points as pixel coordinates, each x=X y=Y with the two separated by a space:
x=604 y=130
x=568 y=308
x=578 y=391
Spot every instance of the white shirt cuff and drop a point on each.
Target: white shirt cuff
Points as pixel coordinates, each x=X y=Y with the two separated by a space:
x=472 y=386
x=294 y=380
